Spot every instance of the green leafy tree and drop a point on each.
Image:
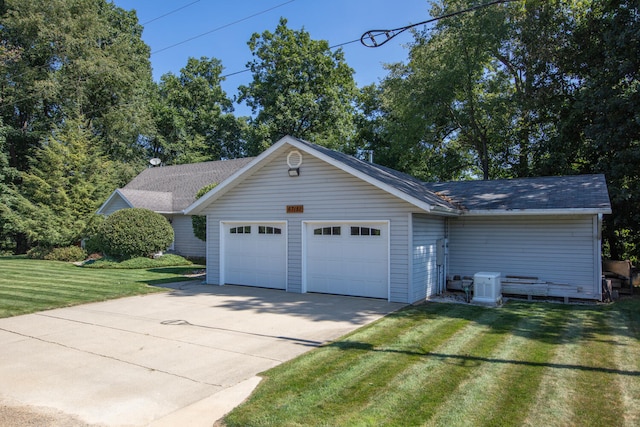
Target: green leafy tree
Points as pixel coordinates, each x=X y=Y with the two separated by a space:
x=199 y=222
x=599 y=131
x=299 y=88
x=135 y=232
x=74 y=56
x=194 y=119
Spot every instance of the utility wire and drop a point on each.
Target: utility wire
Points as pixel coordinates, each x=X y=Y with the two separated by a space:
x=222 y=27
x=170 y=13
x=370 y=36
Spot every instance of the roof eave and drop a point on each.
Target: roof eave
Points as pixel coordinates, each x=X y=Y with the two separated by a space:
x=518 y=212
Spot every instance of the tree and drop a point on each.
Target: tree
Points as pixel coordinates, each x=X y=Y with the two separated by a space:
x=83 y=55
x=193 y=115
x=300 y=88
x=600 y=112
x=66 y=185
x=60 y=59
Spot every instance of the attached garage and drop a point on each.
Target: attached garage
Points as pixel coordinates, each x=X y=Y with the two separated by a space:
x=304 y=218
x=254 y=254
x=347 y=258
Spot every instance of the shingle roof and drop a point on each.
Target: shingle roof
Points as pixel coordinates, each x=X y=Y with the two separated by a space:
x=398 y=180
x=545 y=193
x=173 y=188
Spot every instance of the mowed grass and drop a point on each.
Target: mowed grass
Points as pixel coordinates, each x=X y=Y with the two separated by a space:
x=525 y=364
x=27 y=285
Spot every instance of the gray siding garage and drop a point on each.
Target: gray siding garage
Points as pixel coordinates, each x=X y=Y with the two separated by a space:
x=345 y=226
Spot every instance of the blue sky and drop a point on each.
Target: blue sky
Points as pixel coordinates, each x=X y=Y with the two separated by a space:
x=337 y=21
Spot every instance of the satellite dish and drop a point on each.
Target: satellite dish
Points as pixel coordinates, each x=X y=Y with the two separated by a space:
x=155 y=161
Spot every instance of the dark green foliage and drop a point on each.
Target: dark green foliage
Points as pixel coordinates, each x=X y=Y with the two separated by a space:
x=135 y=232
x=199 y=222
x=68 y=254
x=299 y=88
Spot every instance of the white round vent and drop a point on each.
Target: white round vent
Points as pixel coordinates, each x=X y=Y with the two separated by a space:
x=294 y=159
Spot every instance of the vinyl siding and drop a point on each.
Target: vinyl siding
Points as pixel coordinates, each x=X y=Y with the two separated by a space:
x=427 y=230
x=327 y=194
x=115 y=204
x=186 y=243
x=560 y=249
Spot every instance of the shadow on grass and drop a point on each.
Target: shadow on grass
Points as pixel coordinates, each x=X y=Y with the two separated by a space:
x=467 y=360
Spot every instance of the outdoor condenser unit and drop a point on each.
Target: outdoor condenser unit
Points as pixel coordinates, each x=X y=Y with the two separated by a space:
x=487 y=288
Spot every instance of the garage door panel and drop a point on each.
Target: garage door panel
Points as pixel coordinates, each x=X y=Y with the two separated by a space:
x=345 y=263
x=256 y=256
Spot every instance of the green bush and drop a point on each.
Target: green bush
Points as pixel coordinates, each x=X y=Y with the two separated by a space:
x=38 y=252
x=199 y=222
x=135 y=232
x=69 y=254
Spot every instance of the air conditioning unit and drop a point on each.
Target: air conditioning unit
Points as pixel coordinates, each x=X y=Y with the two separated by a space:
x=487 y=288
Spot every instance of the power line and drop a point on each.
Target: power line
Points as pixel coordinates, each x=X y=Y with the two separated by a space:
x=169 y=13
x=370 y=36
x=222 y=27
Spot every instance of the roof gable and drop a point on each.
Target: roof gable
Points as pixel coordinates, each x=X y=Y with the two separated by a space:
x=396 y=183
x=170 y=189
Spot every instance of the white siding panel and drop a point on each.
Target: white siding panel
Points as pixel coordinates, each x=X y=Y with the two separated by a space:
x=327 y=194
x=186 y=243
x=427 y=230
x=557 y=249
x=115 y=204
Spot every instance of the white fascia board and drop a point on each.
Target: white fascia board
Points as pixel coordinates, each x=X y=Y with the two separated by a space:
x=520 y=212
x=381 y=185
x=116 y=192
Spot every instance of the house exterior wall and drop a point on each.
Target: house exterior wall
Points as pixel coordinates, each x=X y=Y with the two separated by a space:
x=115 y=204
x=327 y=194
x=561 y=249
x=426 y=273
x=186 y=243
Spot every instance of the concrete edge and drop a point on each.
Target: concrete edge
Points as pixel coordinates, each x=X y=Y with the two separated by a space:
x=207 y=411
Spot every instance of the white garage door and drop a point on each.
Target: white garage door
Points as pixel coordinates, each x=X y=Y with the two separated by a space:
x=348 y=258
x=255 y=254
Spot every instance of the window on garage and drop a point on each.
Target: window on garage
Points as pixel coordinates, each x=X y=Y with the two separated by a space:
x=269 y=230
x=240 y=230
x=365 y=231
x=327 y=231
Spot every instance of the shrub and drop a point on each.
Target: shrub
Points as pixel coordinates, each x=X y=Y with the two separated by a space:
x=199 y=222
x=69 y=254
x=135 y=232
x=167 y=260
x=38 y=252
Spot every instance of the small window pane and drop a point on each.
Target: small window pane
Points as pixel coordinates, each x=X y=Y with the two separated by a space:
x=247 y=229
x=269 y=230
x=355 y=231
x=277 y=231
x=233 y=230
x=326 y=231
x=336 y=231
x=261 y=229
x=317 y=232
x=365 y=231
x=375 y=231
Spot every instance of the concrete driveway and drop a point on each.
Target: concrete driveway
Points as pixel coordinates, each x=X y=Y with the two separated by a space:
x=184 y=357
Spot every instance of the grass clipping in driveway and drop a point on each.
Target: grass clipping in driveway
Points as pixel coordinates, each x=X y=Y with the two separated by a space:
x=459 y=365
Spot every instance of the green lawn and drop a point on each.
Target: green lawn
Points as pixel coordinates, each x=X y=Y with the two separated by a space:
x=525 y=364
x=28 y=285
